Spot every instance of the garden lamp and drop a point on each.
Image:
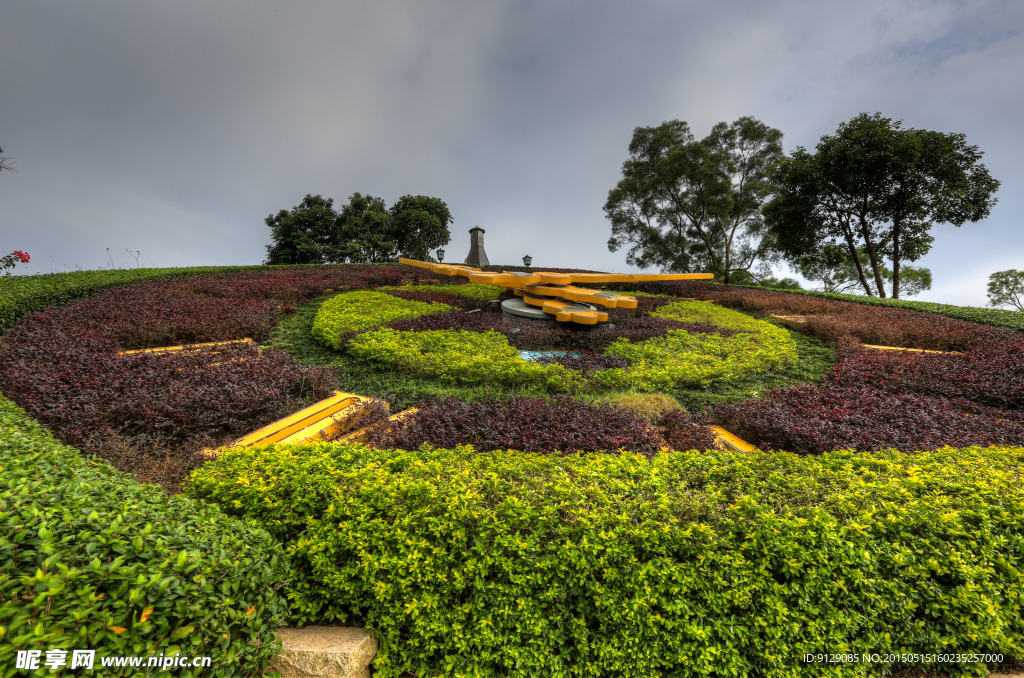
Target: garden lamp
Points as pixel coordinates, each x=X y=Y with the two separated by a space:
x=440 y=256
x=527 y=260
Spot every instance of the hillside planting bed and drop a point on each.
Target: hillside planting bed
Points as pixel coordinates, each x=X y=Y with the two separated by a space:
x=520 y=523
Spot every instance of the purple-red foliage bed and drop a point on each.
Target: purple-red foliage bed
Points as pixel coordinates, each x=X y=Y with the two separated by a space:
x=152 y=414
x=811 y=420
x=561 y=425
x=831 y=321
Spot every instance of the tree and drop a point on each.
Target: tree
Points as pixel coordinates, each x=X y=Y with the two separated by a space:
x=303 y=235
x=875 y=189
x=6 y=163
x=836 y=271
x=364 y=231
x=686 y=205
x=1006 y=288
x=420 y=224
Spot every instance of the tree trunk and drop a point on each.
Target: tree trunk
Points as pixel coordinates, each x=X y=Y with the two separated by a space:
x=896 y=258
x=871 y=254
x=856 y=259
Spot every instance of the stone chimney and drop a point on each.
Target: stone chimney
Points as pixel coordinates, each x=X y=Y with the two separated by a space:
x=477 y=256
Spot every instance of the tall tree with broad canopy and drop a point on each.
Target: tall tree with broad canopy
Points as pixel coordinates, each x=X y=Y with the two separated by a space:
x=875 y=190
x=420 y=224
x=303 y=235
x=685 y=205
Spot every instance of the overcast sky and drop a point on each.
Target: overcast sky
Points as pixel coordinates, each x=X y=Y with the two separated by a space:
x=174 y=128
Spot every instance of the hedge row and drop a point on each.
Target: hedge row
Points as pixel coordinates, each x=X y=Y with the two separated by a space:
x=92 y=560
x=689 y=564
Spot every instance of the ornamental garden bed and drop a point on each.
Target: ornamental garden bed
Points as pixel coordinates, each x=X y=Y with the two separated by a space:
x=519 y=477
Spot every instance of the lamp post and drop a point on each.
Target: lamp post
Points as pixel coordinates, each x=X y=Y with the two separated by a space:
x=440 y=256
x=527 y=260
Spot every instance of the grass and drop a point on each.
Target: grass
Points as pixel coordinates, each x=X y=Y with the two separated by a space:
x=293 y=335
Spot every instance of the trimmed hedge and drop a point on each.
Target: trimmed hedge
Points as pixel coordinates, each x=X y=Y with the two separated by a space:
x=691 y=564
x=86 y=553
x=358 y=311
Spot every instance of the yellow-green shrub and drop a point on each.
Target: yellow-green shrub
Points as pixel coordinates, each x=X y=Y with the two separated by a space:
x=710 y=314
x=88 y=553
x=692 y=564
x=458 y=356
x=681 y=358
x=362 y=310
x=475 y=291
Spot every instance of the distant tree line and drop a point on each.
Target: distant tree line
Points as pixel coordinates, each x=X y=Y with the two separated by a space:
x=364 y=231
x=735 y=205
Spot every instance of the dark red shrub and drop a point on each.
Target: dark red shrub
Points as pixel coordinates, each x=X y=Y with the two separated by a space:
x=812 y=420
x=558 y=426
x=995 y=379
x=833 y=320
x=684 y=431
x=452 y=300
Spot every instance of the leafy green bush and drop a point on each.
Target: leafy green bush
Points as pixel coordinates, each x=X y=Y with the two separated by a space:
x=682 y=358
x=691 y=564
x=22 y=294
x=90 y=559
x=474 y=291
x=458 y=356
x=710 y=314
x=362 y=310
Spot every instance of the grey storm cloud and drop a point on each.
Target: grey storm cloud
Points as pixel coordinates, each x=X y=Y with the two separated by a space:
x=174 y=128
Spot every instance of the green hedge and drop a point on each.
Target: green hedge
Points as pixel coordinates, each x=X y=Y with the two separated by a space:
x=86 y=551
x=22 y=294
x=693 y=564
x=987 y=316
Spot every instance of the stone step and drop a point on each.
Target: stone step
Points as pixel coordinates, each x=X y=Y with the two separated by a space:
x=325 y=652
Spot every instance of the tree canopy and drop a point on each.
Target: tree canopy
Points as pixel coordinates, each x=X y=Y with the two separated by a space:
x=874 y=190
x=420 y=224
x=364 y=231
x=686 y=205
x=1006 y=288
x=303 y=235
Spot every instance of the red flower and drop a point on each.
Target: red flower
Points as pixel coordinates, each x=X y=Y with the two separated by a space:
x=22 y=255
